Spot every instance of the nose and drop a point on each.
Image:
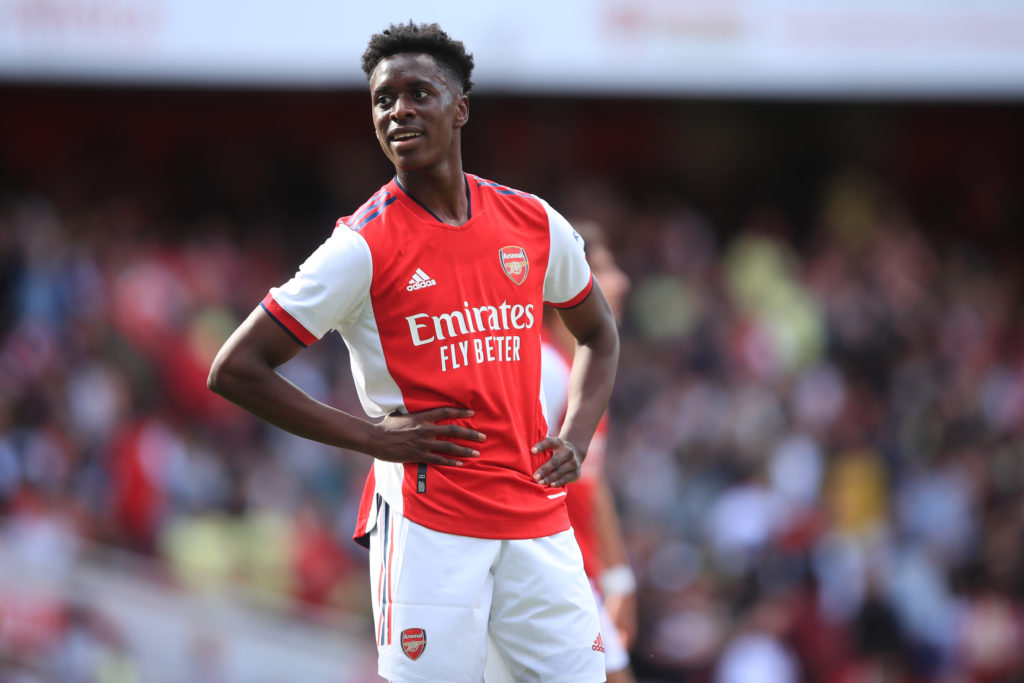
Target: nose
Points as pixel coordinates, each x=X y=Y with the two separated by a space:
x=403 y=108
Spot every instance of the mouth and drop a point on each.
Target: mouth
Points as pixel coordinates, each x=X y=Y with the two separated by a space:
x=404 y=137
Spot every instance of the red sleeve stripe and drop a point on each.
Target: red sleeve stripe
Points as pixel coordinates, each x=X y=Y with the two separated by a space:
x=578 y=299
x=285 y=320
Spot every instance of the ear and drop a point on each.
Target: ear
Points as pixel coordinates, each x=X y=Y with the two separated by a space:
x=461 y=111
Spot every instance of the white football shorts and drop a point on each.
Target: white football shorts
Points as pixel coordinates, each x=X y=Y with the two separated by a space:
x=616 y=656
x=439 y=599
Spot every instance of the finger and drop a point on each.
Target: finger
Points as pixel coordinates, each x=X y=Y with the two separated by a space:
x=546 y=444
x=566 y=472
x=553 y=467
x=544 y=470
x=448 y=448
x=447 y=413
x=452 y=459
x=455 y=431
x=443 y=461
x=561 y=479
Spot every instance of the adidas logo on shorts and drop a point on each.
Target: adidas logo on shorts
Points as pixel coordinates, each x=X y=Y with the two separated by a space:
x=420 y=280
x=598 y=644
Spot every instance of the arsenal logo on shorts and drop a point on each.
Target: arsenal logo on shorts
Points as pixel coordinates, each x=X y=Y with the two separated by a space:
x=414 y=642
x=515 y=263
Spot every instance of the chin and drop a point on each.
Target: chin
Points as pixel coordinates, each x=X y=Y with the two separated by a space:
x=408 y=165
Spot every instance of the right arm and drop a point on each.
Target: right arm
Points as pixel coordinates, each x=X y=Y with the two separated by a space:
x=245 y=373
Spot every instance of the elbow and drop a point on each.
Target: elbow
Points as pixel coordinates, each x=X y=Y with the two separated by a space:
x=215 y=379
x=234 y=373
x=219 y=380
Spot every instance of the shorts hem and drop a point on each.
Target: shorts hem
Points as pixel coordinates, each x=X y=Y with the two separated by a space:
x=403 y=678
x=598 y=678
x=574 y=678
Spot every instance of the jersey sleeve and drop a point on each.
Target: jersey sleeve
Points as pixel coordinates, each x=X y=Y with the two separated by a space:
x=328 y=290
x=568 y=280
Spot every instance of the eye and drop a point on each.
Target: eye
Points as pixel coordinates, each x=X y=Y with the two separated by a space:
x=383 y=100
x=420 y=94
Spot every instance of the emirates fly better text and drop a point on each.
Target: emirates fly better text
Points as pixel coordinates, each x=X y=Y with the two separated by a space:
x=446 y=329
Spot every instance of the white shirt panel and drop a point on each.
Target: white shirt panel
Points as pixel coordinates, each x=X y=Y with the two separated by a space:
x=331 y=290
x=331 y=286
x=568 y=272
x=378 y=392
x=388 y=476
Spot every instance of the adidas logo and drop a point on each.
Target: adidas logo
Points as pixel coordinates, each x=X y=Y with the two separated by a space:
x=420 y=280
x=598 y=644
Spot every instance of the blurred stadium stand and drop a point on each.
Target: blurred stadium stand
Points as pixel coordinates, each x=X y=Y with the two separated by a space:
x=818 y=429
x=115 y=616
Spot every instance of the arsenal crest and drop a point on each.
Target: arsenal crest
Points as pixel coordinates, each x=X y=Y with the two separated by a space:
x=514 y=263
x=414 y=642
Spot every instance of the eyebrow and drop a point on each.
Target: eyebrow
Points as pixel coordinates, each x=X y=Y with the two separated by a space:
x=413 y=84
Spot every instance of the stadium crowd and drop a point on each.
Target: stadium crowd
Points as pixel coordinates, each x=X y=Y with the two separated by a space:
x=817 y=439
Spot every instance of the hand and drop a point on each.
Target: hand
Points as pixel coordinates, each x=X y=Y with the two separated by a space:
x=622 y=611
x=418 y=437
x=563 y=467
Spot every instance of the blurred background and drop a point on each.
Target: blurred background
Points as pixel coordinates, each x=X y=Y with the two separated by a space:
x=818 y=427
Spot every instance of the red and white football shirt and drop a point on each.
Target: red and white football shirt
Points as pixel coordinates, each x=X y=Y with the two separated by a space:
x=439 y=315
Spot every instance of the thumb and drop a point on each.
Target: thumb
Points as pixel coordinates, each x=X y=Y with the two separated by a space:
x=545 y=444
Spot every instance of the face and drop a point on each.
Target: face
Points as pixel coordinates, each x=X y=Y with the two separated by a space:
x=614 y=283
x=416 y=111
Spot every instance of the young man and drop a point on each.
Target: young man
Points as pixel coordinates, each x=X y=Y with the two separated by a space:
x=437 y=285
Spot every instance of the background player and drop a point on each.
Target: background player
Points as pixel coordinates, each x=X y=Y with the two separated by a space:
x=592 y=508
x=437 y=285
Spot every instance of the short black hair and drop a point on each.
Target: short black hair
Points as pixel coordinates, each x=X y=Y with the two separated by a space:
x=428 y=39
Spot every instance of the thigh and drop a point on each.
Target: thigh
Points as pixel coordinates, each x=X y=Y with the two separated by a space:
x=431 y=597
x=543 y=615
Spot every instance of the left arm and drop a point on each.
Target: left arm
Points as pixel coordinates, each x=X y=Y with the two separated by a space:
x=590 y=385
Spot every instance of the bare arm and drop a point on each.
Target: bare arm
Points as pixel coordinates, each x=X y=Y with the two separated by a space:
x=590 y=385
x=244 y=372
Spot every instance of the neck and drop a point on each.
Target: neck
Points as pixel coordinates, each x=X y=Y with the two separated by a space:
x=442 y=190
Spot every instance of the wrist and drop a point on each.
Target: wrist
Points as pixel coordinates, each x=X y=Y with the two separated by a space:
x=577 y=445
x=618 y=580
x=368 y=438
